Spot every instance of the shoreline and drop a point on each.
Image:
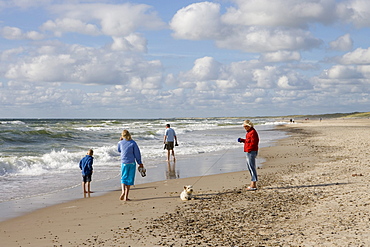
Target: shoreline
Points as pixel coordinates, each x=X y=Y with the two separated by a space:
x=158 y=169
x=308 y=196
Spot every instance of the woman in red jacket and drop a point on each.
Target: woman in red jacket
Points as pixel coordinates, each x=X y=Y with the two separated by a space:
x=251 y=150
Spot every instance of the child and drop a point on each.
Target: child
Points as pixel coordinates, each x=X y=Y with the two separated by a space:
x=86 y=166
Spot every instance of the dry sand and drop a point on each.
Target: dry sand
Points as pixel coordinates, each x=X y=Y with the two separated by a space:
x=313 y=191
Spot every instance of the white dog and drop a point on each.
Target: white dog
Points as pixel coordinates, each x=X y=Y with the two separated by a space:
x=186 y=194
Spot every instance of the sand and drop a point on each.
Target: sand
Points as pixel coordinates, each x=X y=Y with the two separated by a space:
x=313 y=191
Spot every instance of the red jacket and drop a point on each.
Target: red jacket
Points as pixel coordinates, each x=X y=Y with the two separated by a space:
x=251 y=140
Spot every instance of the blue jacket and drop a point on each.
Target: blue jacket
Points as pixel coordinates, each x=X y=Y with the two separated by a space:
x=86 y=165
x=130 y=152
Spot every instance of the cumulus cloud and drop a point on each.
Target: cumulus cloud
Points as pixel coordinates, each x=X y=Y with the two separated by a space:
x=197 y=21
x=356 y=12
x=288 y=13
x=358 y=56
x=114 y=20
x=264 y=56
x=280 y=56
x=269 y=40
x=60 y=26
x=206 y=68
x=78 y=64
x=14 y=33
x=343 y=72
x=132 y=42
x=343 y=43
x=201 y=21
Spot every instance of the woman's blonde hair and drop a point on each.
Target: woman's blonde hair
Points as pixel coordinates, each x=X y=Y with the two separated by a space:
x=248 y=123
x=126 y=135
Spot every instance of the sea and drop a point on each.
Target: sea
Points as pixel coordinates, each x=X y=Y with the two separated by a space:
x=39 y=157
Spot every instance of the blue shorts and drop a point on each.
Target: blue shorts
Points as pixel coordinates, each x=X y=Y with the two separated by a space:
x=128 y=173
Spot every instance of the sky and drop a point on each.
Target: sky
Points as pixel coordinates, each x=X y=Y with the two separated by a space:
x=171 y=59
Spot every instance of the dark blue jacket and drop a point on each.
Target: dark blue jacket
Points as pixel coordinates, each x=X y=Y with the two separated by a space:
x=86 y=165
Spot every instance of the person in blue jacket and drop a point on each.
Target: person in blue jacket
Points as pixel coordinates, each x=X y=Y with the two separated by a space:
x=130 y=155
x=86 y=166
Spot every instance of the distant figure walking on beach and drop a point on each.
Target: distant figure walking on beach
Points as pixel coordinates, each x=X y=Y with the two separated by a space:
x=86 y=166
x=170 y=140
x=251 y=149
x=130 y=153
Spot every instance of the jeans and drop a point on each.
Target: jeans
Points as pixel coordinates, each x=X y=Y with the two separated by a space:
x=251 y=165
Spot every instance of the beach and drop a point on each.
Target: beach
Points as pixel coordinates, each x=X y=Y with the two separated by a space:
x=313 y=191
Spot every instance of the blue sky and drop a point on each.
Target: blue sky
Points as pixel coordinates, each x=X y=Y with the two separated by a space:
x=165 y=58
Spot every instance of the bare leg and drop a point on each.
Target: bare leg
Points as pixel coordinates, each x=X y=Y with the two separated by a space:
x=173 y=154
x=88 y=187
x=168 y=155
x=123 y=192
x=84 y=188
x=127 y=190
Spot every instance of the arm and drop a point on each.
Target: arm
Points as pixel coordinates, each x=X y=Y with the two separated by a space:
x=90 y=164
x=137 y=154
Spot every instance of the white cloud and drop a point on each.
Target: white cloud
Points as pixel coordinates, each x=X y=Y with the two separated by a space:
x=267 y=57
x=343 y=43
x=358 y=56
x=197 y=21
x=277 y=13
x=265 y=77
x=269 y=40
x=293 y=81
x=77 y=64
x=206 y=68
x=356 y=12
x=60 y=26
x=8 y=55
x=202 y=21
x=132 y=42
x=114 y=20
x=280 y=56
x=14 y=33
x=343 y=72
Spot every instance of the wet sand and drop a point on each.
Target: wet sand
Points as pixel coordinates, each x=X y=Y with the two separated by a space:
x=313 y=191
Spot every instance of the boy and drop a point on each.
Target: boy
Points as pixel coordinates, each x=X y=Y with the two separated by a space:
x=86 y=166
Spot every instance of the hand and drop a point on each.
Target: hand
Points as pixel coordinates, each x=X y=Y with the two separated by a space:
x=176 y=144
x=239 y=139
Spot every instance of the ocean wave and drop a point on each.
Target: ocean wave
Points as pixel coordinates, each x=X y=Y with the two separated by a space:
x=15 y=122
